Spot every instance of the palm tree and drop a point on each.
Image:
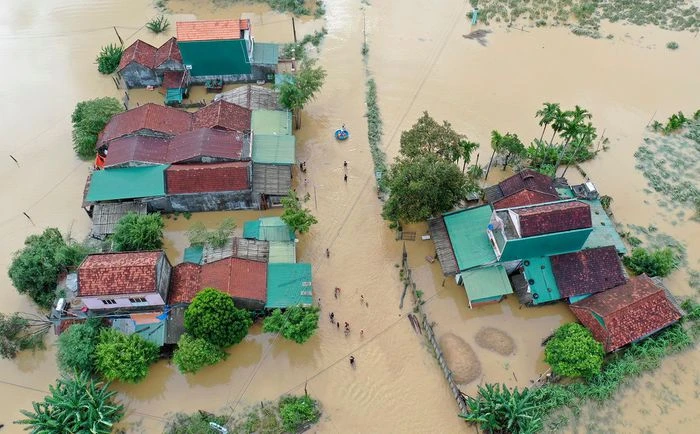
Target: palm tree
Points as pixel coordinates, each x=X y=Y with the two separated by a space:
x=587 y=133
x=561 y=118
x=496 y=145
x=547 y=115
x=466 y=148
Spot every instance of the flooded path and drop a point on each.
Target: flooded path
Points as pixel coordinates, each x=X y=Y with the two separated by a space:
x=421 y=62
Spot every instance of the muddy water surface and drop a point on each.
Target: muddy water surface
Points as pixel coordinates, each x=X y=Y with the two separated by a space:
x=421 y=62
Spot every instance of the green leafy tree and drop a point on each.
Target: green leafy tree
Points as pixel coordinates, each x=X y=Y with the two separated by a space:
x=35 y=269
x=573 y=352
x=76 y=404
x=135 y=232
x=296 y=323
x=124 y=357
x=547 y=115
x=193 y=354
x=659 y=262
x=428 y=136
x=497 y=409
x=511 y=147
x=199 y=236
x=77 y=345
x=19 y=333
x=422 y=187
x=297 y=412
x=213 y=316
x=89 y=118
x=466 y=148
x=109 y=58
x=295 y=215
x=294 y=95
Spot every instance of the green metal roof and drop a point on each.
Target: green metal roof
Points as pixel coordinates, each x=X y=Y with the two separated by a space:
x=283 y=252
x=173 y=96
x=127 y=183
x=251 y=229
x=482 y=284
x=604 y=232
x=274 y=229
x=271 y=122
x=544 y=245
x=193 y=254
x=538 y=272
x=272 y=149
x=266 y=53
x=565 y=193
x=288 y=285
x=467 y=231
x=576 y=298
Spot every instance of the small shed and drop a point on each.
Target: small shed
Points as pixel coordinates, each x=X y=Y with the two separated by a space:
x=265 y=59
x=271 y=122
x=289 y=285
x=136 y=65
x=148 y=325
x=467 y=232
x=106 y=215
x=268 y=229
x=485 y=285
x=443 y=246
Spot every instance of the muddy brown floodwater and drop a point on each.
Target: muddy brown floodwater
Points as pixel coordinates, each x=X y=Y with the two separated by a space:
x=421 y=62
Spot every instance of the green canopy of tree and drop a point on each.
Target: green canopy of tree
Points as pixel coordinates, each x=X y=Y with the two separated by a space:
x=548 y=114
x=295 y=94
x=213 y=316
x=295 y=215
x=573 y=352
x=198 y=235
x=497 y=409
x=428 y=136
x=298 y=411
x=18 y=333
x=193 y=354
x=135 y=232
x=77 y=345
x=660 y=262
x=89 y=118
x=76 y=404
x=109 y=58
x=35 y=269
x=422 y=187
x=297 y=323
x=124 y=357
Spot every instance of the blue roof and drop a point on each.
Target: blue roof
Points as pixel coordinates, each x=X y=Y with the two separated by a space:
x=288 y=285
x=193 y=254
x=251 y=229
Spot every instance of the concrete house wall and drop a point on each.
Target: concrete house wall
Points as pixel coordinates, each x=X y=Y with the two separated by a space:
x=136 y=75
x=163 y=270
x=122 y=301
x=203 y=202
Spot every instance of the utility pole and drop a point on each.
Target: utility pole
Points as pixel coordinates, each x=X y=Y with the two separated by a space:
x=294 y=30
x=121 y=41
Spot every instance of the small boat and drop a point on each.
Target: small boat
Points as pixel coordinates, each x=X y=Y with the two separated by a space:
x=342 y=134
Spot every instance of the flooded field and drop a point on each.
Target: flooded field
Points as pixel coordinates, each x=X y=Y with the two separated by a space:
x=420 y=62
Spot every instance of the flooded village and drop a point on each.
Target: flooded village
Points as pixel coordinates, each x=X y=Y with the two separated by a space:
x=423 y=314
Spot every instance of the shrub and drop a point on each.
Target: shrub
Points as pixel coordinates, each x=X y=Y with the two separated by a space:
x=195 y=423
x=573 y=352
x=659 y=262
x=17 y=333
x=297 y=323
x=76 y=404
x=199 y=236
x=213 y=316
x=673 y=45
x=35 y=269
x=295 y=215
x=89 y=118
x=124 y=357
x=136 y=232
x=497 y=409
x=298 y=411
x=193 y=354
x=77 y=345
x=158 y=24
x=108 y=59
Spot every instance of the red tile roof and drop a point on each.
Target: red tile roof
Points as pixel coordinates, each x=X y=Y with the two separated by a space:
x=143 y=149
x=555 y=217
x=139 y=52
x=205 y=142
x=168 y=51
x=149 y=116
x=172 y=79
x=185 y=283
x=523 y=198
x=210 y=30
x=629 y=312
x=118 y=273
x=223 y=115
x=205 y=178
x=240 y=278
x=588 y=271
x=529 y=180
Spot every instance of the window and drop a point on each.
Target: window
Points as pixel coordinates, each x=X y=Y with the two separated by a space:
x=138 y=300
x=109 y=301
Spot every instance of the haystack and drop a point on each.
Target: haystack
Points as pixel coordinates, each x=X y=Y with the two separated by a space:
x=495 y=340
x=460 y=358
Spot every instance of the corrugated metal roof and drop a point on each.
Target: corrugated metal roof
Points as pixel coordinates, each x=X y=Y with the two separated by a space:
x=288 y=285
x=266 y=53
x=545 y=245
x=283 y=252
x=274 y=229
x=540 y=278
x=193 y=254
x=272 y=179
x=604 y=232
x=487 y=282
x=127 y=183
x=274 y=149
x=470 y=243
x=251 y=229
x=271 y=122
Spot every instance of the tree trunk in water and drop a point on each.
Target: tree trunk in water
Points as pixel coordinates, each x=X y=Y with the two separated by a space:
x=554 y=132
x=559 y=158
x=543 y=130
x=488 y=168
x=464 y=165
x=506 y=162
x=297 y=118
